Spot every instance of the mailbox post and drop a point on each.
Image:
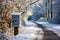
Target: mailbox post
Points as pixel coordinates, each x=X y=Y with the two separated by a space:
x=15 y=22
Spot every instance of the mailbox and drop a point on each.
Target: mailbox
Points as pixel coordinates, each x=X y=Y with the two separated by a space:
x=15 y=20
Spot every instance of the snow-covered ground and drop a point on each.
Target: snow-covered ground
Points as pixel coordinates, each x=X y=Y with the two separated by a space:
x=53 y=27
x=29 y=32
x=32 y=32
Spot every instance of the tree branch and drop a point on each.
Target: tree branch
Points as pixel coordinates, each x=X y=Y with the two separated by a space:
x=29 y=5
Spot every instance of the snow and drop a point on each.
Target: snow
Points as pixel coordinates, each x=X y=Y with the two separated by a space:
x=16 y=13
x=30 y=32
x=31 y=24
x=19 y=38
x=42 y=19
x=53 y=27
x=2 y=35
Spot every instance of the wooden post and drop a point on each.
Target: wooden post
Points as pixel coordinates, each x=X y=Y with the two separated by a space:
x=16 y=31
x=15 y=23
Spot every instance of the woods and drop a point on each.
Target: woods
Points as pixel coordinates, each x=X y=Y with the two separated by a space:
x=49 y=9
x=9 y=6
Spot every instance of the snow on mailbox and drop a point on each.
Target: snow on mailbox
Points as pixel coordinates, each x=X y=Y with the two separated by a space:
x=15 y=19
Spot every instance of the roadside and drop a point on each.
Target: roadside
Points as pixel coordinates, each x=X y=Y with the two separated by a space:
x=48 y=34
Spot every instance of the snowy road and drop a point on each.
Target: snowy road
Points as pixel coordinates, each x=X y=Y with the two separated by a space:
x=34 y=31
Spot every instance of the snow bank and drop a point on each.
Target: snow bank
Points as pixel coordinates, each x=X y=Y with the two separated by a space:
x=30 y=32
x=31 y=24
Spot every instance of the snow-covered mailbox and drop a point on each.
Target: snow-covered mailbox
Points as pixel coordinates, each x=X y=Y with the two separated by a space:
x=15 y=21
